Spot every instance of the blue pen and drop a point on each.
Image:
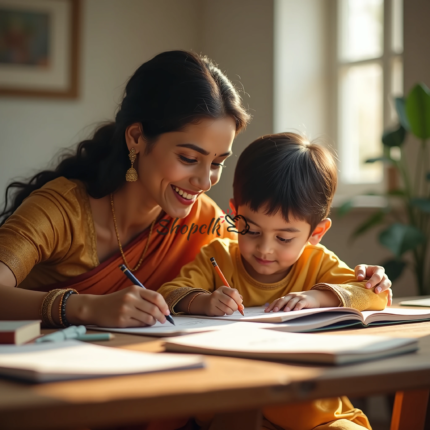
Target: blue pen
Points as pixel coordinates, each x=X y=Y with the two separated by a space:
x=137 y=282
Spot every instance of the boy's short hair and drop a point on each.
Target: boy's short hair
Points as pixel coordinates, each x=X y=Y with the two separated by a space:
x=286 y=172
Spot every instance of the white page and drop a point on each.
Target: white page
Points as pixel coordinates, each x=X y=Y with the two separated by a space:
x=419 y=302
x=274 y=342
x=73 y=358
x=311 y=322
x=257 y=314
x=184 y=325
x=392 y=313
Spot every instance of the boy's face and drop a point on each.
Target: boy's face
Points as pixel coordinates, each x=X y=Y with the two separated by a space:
x=272 y=245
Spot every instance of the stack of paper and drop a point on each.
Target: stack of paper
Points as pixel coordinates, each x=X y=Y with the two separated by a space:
x=312 y=348
x=45 y=362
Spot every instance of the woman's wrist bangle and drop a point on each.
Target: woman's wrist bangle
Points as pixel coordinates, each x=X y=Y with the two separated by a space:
x=62 y=307
x=46 y=308
x=191 y=301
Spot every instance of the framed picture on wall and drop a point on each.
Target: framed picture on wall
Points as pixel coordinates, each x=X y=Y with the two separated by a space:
x=39 y=48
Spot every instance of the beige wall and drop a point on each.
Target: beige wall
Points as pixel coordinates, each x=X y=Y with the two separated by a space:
x=118 y=35
x=301 y=67
x=239 y=35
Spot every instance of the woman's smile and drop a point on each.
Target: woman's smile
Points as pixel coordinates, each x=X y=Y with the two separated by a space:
x=186 y=197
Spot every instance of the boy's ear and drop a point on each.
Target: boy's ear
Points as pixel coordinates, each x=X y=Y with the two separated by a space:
x=232 y=206
x=320 y=230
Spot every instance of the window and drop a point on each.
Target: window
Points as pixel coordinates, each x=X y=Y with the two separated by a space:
x=369 y=73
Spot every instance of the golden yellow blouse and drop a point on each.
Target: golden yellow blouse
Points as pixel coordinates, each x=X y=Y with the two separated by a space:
x=316 y=268
x=50 y=237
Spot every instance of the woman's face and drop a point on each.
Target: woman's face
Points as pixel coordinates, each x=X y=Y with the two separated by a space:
x=183 y=164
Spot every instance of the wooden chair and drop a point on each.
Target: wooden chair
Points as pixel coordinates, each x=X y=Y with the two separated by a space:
x=410 y=410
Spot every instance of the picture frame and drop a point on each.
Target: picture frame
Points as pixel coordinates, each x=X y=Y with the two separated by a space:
x=39 y=48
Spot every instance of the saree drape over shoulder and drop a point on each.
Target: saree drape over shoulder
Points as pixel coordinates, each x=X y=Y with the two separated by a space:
x=50 y=242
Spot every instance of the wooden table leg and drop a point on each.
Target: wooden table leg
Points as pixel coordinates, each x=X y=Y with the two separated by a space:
x=410 y=408
x=246 y=420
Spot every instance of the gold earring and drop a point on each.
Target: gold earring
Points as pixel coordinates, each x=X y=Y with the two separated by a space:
x=131 y=175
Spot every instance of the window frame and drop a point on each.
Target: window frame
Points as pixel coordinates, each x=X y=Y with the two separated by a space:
x=386 y=61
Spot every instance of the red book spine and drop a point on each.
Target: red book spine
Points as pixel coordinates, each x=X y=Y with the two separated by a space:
x=7 y=337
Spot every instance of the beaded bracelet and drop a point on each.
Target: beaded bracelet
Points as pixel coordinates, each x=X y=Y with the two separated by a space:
x=62 y=308
x=191 y=301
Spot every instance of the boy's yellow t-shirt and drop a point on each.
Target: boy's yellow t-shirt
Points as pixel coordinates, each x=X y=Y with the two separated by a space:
x=317 y=268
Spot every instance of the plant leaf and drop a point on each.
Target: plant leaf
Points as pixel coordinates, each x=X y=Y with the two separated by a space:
x=396 y=193
x=418 y=111
x=394 y=268
x=345 y=208
x=422 y=204
x=428 y=176
x=381 y=158
x=400 y=103
x=400 y=238
x=374 y=220
x=395 y=137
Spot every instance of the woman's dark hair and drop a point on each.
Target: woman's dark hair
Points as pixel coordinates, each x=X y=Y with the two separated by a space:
x=286 y=172
x=165 y=94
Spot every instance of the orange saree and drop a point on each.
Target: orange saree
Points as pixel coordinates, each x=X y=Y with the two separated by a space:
x=49 y=242
x=173 y=243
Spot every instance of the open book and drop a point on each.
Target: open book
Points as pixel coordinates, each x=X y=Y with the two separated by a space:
x=325 y=318
x=272 y=345
x=43 y=362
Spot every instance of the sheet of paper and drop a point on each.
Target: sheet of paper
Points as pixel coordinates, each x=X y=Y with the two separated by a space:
x=257 y=314
x=70 y=359
x=395 y=314
x=313 y=322
x=418 y=302
x=184 y=325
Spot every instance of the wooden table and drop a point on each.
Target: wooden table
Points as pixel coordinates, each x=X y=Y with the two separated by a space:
x=234 y=389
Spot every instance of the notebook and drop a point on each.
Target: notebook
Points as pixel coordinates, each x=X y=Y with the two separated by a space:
x=46 y=362
x=307 y=348
x=18 y=332
x=184 y=325
x=326 y=318
x=418 y=302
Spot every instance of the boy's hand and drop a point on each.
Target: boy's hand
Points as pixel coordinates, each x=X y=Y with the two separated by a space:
x=304 y=300
x=222 y=301
x=378 y=279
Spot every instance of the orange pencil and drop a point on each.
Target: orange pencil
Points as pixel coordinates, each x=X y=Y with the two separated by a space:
x=222 y=277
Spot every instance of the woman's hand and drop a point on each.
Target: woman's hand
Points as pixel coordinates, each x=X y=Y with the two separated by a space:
x=304 y=300
x=132 y=307
x=377 y=279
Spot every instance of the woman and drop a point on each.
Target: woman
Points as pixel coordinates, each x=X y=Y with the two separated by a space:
x=133 y=194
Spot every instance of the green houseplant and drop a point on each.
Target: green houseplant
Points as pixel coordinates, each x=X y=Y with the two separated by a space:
x=405 y=220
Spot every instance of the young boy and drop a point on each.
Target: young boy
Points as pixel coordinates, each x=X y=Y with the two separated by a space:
x=283 y=189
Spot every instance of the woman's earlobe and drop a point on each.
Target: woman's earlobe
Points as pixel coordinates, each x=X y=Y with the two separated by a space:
x=133 y=135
